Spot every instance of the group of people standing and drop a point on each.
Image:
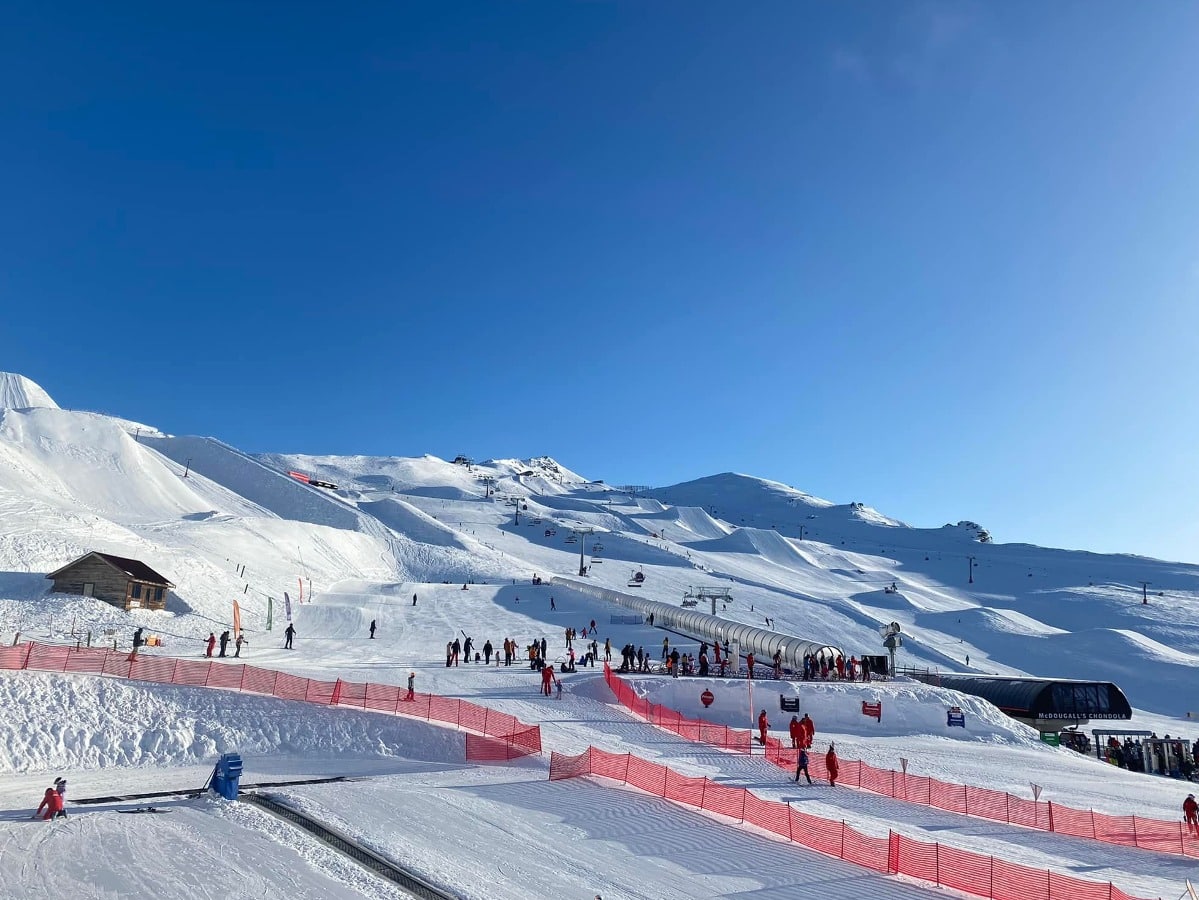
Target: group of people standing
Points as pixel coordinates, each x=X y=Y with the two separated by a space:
x=224 y=640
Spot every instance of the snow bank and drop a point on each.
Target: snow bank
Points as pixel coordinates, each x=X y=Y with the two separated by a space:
x=72 y=722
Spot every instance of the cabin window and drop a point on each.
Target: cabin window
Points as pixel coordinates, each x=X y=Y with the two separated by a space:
x=135 y=591
x=157 y=594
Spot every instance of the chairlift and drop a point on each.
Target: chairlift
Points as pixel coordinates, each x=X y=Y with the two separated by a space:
x=572 y=540
x=537 y=520
x=637 y=579
x=597 y=547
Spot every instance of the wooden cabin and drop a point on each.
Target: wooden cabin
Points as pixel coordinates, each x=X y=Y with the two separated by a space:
x=126 y=583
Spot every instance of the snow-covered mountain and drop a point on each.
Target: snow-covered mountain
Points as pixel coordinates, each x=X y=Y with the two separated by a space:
x=225 y=525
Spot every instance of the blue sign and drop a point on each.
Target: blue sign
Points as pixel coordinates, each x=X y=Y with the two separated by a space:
x=955 y=717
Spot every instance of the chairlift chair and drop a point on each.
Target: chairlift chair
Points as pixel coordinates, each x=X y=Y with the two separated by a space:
x=572 y=540
x=597 y=547
x=637 y=579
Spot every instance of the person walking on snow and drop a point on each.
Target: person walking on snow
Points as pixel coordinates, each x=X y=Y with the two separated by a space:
x=224 y=642
x=801 y=765
x=558 y=687
x=467 y=647
x=487 y=651
x=808 y=731
x=763 y=724
x=1190 y=812
x=749 y=661
x=241 y=639
x=372 y=629
x=411 y=686
x=830 y=763
x=665 y=647
x=796 y=732
x=414 y=599
x=211 y=644
x=289 y=634
x=552 y=607
x=547 y=678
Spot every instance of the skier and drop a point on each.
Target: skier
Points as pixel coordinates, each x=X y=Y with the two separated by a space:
x=558 y=687
x=830 y=763
x=552 y=607
x=372 y=629
x=211 y=644
x=467 y=646
x=137 y=640
x=763 y=724
x=289 y=633
x=547 y=678
x=1190 y=812
x=241 y=639
x=796 y=732
x=449 y=653
x=411 y=686
x=224 y=642
x=414 y=599
x=607 y=649
x=801 y=765
x=456 y=649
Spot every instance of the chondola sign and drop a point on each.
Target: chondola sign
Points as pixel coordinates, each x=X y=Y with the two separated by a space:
x=1082 y=714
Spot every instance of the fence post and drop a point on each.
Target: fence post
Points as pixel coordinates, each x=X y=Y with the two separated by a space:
x=336 y=698
x=28 y=654
x=1050 y=802
x=1092 y=812
x=842 y=839
x=892 y=853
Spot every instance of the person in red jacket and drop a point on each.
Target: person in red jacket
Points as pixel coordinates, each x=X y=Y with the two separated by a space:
x=830 y=763
x=547 y=679
x=840 y=667
x=763 y=724
x=749 y=661
x=796 y=732
x=809 y=731
x=211 y=643
x=52 y=804
x=1190 y=812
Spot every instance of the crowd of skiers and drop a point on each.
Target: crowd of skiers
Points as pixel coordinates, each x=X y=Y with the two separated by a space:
x=224 y=640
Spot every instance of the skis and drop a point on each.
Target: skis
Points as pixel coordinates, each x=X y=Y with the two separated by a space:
x=143 y=809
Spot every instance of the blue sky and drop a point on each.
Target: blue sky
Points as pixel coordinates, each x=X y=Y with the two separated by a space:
x=941 y=258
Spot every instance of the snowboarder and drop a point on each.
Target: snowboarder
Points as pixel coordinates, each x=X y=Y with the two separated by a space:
x=830 y=763
x=289 y=634
x=224 y=642
x=1190 y=812
x=211 y=644
x=796 y=732
x=763 y=724
x=372 y=629
x=411 y=686
x=801 y=765
x=52 y=804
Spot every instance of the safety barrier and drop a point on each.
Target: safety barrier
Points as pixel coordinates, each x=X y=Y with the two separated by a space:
x=971 y=873
x=997 y=806
x=491 y=736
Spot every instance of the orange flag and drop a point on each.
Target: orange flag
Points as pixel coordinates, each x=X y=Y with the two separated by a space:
x=236 y=620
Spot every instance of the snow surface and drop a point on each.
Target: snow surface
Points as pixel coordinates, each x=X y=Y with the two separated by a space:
x=238 y=527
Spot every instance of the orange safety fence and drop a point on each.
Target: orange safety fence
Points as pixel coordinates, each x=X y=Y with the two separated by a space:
x=1126 y=831
x=491 y=735
x=971 y=873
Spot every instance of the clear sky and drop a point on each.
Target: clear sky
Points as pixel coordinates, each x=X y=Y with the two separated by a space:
x=941 y=258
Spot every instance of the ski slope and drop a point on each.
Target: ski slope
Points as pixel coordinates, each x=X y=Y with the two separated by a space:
x=237 y=527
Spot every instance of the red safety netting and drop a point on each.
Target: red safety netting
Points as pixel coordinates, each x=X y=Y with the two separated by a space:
x=500 y=736
x=1128 y=831
x=971 y=873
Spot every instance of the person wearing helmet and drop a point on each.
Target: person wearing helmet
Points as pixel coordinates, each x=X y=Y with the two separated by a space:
x=1190 y=812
